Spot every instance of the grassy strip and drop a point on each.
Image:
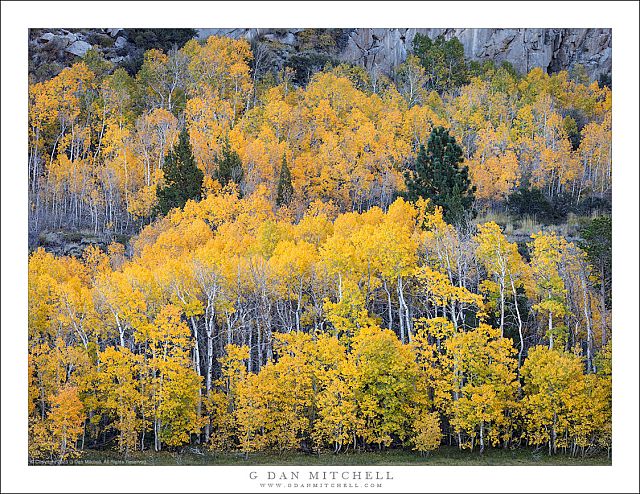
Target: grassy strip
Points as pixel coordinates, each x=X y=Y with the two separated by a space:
x=445 y=456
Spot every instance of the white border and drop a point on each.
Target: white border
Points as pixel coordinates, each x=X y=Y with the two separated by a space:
x=17 y=17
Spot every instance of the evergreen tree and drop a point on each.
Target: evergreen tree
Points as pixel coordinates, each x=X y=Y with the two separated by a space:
x=285 y=188
x=443 y=61
x=597 y=244
x=229 y=166
x=182 y=177
x=437 y=175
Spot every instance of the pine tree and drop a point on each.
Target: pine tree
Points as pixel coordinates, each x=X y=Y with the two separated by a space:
x=229 y=166
x=182 y=177
x=285 y=188
x=597 y=245
x=443 y=61
x=437 y=175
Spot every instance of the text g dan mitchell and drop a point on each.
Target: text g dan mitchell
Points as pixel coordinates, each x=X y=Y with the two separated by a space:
x=330 y=475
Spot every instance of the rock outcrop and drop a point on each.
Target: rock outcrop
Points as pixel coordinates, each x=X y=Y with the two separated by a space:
x=550 y=49
x=50 y=50
x=65 y=243
x=381 y=49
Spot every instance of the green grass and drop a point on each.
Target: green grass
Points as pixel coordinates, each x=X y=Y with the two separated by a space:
x=445 y=456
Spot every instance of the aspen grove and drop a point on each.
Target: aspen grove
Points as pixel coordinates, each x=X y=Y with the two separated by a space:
x=301 y=301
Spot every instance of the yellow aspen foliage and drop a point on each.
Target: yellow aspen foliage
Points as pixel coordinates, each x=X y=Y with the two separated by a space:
x=348 y=314
x=385 y=385
x=562 y=407
x=289 y=383
x=225 y=406
x=594 y=154
x=252 y=416
x=209 y=122
x=346 y=319
x=97 y=142
x=44 y=268
x=268 y=416
x=550 y=291
x=444 y=295
x=118 y=388
x=494 y=168
x=317 y=223
x=65 y=422
x=590 y=416
x=434 y=384
x=507 y=270
x=484 y=386
x=220 y=68
x=338 y=420
x=171 y=385
x=41 y=444
x=427 y=432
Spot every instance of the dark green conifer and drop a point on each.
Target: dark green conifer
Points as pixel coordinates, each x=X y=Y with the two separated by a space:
x=438 y=175
x=285 y=188
x=229 y=166
x=182 y=177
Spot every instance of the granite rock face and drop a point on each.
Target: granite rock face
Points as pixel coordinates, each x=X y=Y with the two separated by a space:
x=375 y=49
x=550 y=49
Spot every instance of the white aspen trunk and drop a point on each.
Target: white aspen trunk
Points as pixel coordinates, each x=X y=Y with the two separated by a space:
x=400 y=315
x=229 y=340
x=587 y=316
x=196 y=365
x=550 y=331
x=209 y=369
x=156 y=434
x=502 y=306
x=403 y=313
x=553 y=433
x=298 y=308
x=402 y=338
x=250 y=361
x=120 y=328
x=259 y=345
x=603 y=309
x=515 y=301
x=454 y=316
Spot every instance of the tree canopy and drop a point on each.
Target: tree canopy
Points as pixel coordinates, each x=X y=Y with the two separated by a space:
x=437 y=175
x=182 y=178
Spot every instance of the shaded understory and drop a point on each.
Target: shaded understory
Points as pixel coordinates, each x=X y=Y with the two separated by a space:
x=451 y=456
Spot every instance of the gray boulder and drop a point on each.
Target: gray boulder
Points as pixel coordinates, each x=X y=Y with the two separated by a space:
x=120 y=43
x=71 y=37
x=52 y=42
x=46 y=37
x=113 y=32
x=79 y=48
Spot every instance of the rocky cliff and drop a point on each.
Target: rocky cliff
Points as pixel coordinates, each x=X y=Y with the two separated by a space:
x=551 y=49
